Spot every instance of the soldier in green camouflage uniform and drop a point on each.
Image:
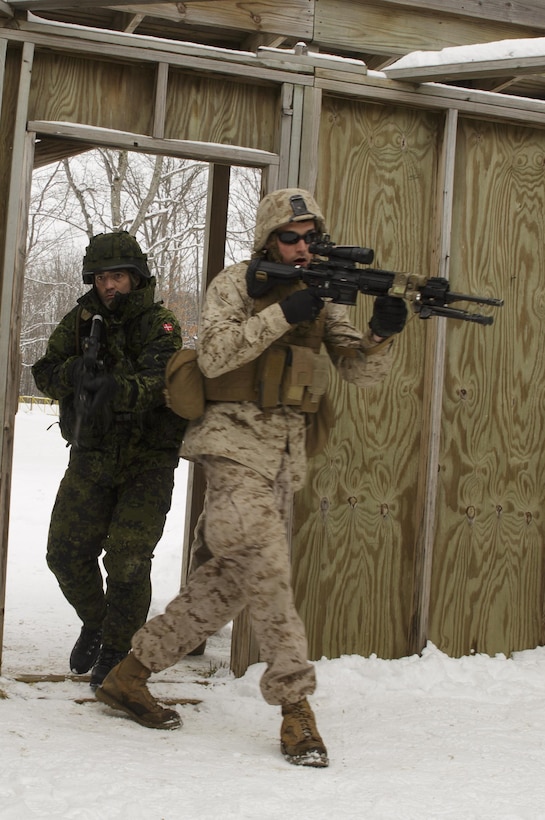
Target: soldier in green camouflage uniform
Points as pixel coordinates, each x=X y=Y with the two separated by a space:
x=116 y=492
x=260 y=349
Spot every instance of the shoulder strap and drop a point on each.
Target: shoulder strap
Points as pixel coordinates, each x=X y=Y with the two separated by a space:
x=78 y=334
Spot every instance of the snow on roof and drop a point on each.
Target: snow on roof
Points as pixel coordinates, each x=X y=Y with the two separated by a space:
x=479 y=52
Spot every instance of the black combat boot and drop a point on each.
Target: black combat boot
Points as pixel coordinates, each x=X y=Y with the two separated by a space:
x=85 y=651
x=107 y=659
x=124 y=688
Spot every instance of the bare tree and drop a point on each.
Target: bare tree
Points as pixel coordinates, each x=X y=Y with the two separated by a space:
x=160 y=200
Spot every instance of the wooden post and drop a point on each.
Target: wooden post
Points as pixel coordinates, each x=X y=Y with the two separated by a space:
x=432 y=402
x=15 y=174
x=214 y=261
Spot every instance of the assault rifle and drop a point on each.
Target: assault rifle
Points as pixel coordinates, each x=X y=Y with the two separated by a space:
x=336 y=277
x=91 y=365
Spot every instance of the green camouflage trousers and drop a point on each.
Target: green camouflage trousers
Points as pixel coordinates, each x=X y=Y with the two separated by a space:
x=108 y=503
x=245 y=531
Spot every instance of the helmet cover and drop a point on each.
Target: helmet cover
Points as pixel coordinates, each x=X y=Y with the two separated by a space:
x=114 y=251
x=281 y=207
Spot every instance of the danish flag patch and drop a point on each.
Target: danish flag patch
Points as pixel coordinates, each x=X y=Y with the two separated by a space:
x=167 y=327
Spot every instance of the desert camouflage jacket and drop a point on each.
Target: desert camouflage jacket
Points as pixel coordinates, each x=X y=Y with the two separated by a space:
x=231 y=334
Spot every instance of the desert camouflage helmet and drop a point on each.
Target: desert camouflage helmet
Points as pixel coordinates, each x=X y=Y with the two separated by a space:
x=114 y=251
x=283 y=206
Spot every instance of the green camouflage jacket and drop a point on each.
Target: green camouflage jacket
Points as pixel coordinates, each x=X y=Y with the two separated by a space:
x=138 y=338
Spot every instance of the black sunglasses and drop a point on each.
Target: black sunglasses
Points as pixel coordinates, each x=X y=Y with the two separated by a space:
x=292 y=237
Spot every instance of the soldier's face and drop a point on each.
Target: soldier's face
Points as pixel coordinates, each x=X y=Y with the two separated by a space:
x=295 y=250
x=110 y=282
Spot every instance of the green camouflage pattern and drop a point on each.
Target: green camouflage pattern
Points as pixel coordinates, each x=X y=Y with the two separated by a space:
x=113 y=251
x=112 y=502
x=138 y=339
x=117 y=489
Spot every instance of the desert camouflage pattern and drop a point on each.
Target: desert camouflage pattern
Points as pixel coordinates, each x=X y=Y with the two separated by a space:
x=245 y=530
x=231 y=335
x=253 y=461
x=276 y=210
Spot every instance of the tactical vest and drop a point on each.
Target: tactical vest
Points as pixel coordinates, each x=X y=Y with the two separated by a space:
x=292 y=371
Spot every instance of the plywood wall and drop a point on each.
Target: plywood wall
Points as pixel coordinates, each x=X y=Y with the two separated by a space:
x=355 y=521
x=488 y=569
x=68 y=88
x=217 y=109
x=121 y=96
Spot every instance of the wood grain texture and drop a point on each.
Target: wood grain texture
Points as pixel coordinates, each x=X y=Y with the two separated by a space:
x=216 y=109
x=94 y=92
x=291 y=18
x=355 y=520
x=487 y=591
x=390 y=29
x=522 y=12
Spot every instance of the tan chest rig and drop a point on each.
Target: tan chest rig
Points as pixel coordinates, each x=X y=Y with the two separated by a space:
x=293 y=371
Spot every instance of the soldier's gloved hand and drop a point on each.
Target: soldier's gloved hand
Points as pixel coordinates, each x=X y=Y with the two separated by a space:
x=301 y=306
x=101 y=389
x=389 y=316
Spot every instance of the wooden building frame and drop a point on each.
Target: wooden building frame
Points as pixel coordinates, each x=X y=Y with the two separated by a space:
x=298 y=82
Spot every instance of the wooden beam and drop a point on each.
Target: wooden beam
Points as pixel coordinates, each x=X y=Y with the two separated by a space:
x=464 y=62
x=188 y=149
x=527 y=13
x=5 y=9
x=52 y=5
x=434 y=368
x=302 y=56
x=291 y=18
x=379 y=27
x=133 y=23
x=151 y=49
x=160 y=105
x=12 y=250
x=310 y=134
x=217 y=206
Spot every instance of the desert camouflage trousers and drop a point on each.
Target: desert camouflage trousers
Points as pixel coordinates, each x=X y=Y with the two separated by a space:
x=245 y=531
x=118 y=504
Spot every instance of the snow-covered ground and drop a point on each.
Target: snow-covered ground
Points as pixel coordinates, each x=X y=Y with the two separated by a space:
x=409 y=739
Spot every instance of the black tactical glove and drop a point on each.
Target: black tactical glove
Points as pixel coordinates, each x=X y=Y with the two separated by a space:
x=301 y=306
x=73 y=371
x=389 y=316
x=101 y=388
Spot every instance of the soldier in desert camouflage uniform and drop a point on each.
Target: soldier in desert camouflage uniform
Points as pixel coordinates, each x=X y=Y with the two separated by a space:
x=117 y=489
x=256 y=344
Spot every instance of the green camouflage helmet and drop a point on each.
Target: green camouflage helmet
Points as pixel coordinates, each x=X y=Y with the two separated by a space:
x=114 y=251
x=283 y=206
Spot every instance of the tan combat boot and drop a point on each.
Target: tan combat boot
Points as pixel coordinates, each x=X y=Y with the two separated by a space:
x=124 y=688
x=300 y=740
